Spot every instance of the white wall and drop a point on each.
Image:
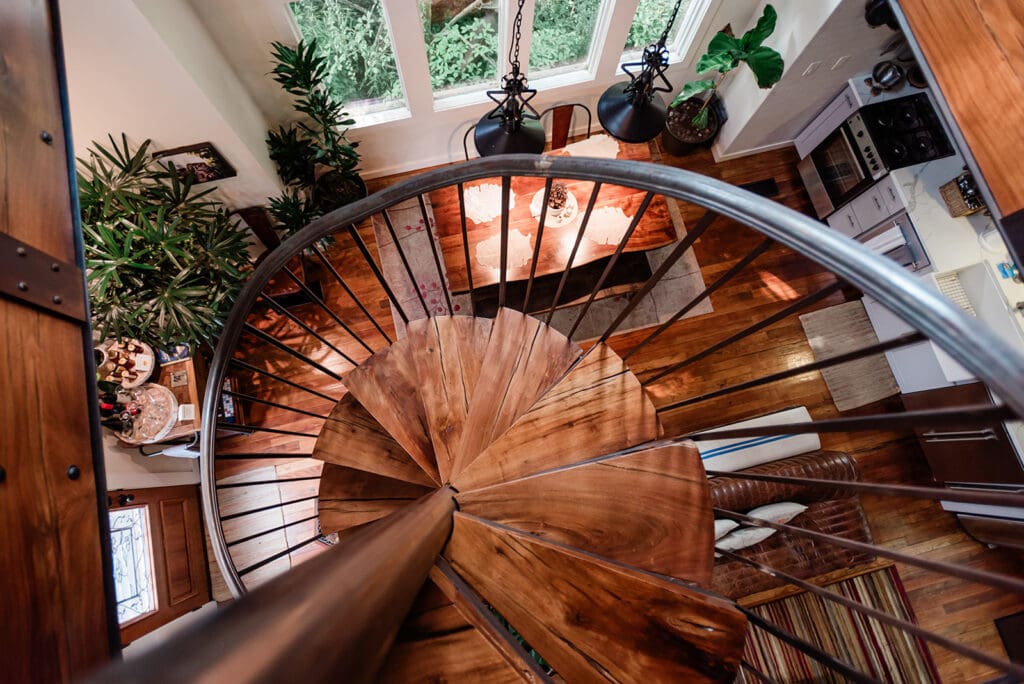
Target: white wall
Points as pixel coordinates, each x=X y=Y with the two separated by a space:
x=822 y=31
x=127 y=469
x=149 y=69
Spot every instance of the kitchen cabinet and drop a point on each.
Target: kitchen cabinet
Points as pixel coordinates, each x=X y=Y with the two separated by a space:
x=980 y=455
x=831 y=117
x=844 y=221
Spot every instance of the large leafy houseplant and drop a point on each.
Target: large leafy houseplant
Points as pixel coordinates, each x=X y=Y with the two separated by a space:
x=164 y=263
x=725 y=53
x=314 y=156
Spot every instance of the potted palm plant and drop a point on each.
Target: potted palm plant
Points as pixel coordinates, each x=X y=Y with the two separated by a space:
x=692 y=119
x=314 y=156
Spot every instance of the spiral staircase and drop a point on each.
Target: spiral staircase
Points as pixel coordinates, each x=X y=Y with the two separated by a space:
x=504 y=504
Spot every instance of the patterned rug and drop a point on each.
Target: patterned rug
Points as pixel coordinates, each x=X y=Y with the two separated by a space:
x=884 y=652
x=845 y=328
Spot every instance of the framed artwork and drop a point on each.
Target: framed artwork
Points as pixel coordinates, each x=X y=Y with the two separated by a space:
x=201 y=159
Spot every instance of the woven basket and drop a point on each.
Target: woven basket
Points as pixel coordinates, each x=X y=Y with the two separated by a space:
x=955 y=201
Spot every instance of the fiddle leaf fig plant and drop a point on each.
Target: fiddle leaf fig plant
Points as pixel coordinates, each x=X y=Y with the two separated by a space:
x=725 y=53
x=163 y=263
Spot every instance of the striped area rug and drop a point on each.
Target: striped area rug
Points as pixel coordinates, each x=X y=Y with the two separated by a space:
x=880 y=651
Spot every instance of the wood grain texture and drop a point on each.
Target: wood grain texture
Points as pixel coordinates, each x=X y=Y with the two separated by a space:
x=595 y=620
x=350 y=497
x=444 y=354
x=523 y=359
x=650 y=509
x=384 y=387
x=478 y=614
x=598 y=408
x=975 y=50
x=353 y=438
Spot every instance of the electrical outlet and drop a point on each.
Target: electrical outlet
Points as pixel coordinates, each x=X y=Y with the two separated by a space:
x=840 y=62
x=811 y=68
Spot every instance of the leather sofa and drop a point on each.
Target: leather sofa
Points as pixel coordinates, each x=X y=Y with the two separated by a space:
x=834 y=510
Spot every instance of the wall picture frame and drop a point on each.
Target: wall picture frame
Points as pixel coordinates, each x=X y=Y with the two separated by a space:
x=202 y=160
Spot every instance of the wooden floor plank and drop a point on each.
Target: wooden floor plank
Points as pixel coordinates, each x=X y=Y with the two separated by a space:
x=384 y=387
x=650 y=509
x=595 y=620
x=350 y=497
x=353 y=438
x=444 y=354
x=598 y=408
x=523 y=359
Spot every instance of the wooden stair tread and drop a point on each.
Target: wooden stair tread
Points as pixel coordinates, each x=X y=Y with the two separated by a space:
x=353 y=438
x=650 y=509
x=598 y=408
x=436 y=643
x=384 y=387
x=350 y=497
x=595 y=620
x=523 y=359
x=444 y=354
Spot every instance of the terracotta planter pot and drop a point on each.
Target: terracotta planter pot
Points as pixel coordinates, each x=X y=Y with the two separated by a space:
x=681 y=136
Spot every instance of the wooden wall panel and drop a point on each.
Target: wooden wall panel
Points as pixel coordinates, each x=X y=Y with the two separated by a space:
x=54 y=624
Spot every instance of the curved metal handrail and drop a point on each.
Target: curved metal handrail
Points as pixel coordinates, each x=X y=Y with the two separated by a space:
x=973 y=345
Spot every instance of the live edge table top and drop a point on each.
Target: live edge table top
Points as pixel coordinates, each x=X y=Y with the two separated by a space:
x=614 y=208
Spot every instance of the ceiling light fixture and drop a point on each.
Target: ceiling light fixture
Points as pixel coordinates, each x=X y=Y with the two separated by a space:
x=514 y=125
x=633 y=112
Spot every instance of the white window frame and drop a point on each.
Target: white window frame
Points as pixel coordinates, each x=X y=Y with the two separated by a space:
x=680 y=44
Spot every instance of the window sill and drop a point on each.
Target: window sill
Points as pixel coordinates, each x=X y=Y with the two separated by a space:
x=367 y=119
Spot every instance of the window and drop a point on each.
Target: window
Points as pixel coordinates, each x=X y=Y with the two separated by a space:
x=353 y=36
x=133 y=563
x=563 y=32
x=649 y=21
x=462 y=43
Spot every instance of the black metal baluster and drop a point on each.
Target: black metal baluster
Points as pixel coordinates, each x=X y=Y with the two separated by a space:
x=808 y=649
x=575 y=247
x=278 y=344
x=691 y=236
x=1012 y=584
x=506 y=188
x=337 y=276
x=330 y=312
x=405 y=261
x=465 y=243
x=442 y=280
x=245 y=457
x=761 y=248
x=986 y=498
x=257 y=428
x=273 y=376
x=614 y=259
x=881 y=616
x=273 y=404
x=802 y=303
x=276 y=306
x=960 y=416
x=536 y=244
x=376 y=272
x=871 y=350
x=272 y=529
x=276 y=556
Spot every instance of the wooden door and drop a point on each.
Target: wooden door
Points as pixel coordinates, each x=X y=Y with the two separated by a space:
x=56 y=620
x=173 y=553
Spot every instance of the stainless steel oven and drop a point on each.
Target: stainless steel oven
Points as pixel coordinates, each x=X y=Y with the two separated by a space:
x=841 y=167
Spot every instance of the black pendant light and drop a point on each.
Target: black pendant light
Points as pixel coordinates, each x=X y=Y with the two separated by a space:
x=632 y=111
x=514 y=125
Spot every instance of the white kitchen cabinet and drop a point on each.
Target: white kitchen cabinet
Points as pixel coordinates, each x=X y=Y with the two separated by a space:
x=892 y=195
x=869 y=207
x=831 y=117
x=845 y=222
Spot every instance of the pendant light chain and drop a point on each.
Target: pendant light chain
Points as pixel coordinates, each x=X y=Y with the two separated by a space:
x=517 y=34
x=668 y=27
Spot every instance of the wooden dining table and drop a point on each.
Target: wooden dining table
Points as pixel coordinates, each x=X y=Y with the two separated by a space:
x=654 y=230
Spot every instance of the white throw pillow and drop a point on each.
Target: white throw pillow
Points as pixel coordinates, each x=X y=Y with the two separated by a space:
x=780 y=513
x=744 y=537
x=724 y=527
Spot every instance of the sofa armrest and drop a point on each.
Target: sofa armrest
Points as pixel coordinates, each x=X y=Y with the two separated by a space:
x=740 y=495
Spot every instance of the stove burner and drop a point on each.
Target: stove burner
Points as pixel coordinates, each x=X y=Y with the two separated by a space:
x=908 y=116
x=894 y=151
x=906 y=131
x=924 y=145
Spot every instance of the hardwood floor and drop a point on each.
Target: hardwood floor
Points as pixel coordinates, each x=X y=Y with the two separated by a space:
x=954 y=608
